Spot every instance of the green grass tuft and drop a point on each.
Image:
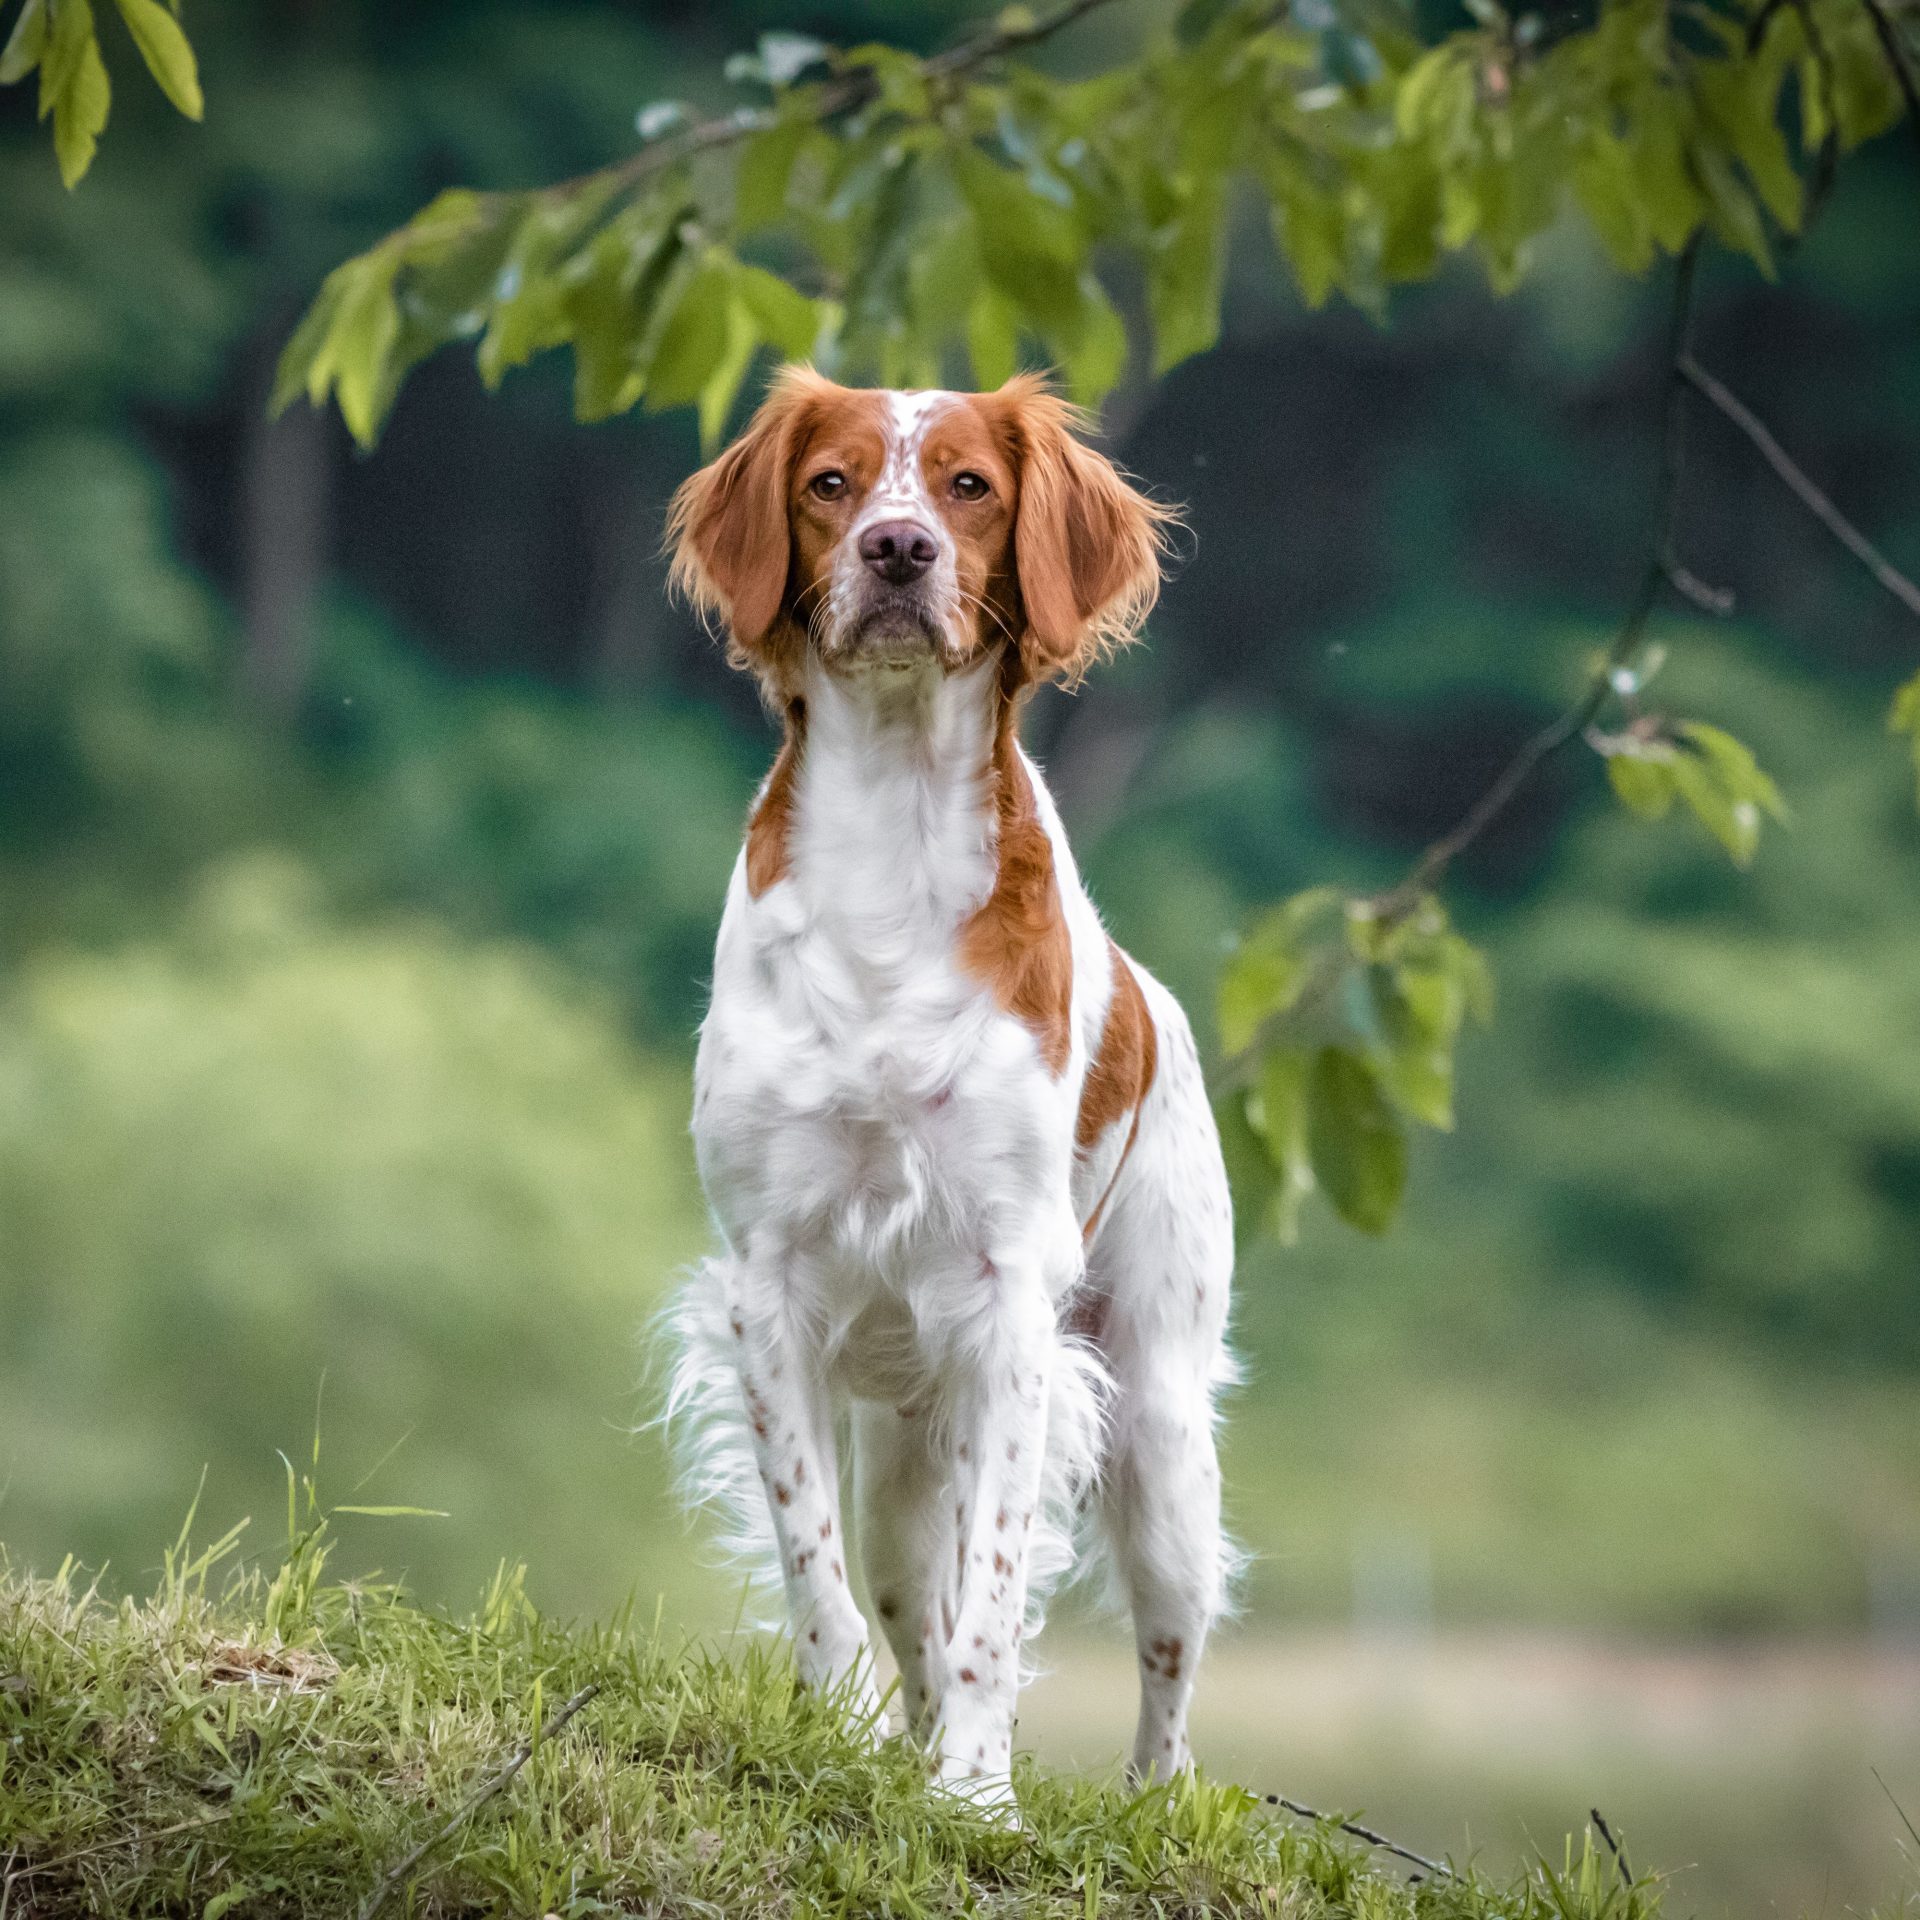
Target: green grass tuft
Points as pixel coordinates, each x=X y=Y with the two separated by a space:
x=269 y=1742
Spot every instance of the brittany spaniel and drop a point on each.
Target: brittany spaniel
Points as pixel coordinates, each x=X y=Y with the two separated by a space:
x=969 y=1195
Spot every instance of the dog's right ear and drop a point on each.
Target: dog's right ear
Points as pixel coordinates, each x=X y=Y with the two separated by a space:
x=729 y=534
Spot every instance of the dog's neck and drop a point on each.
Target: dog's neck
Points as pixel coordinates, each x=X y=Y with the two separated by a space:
x=894 y=777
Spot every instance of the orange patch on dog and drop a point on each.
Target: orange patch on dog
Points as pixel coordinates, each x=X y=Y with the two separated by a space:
x=1121 y=1073
x=1017 y=944
x=1123 y=1065
x=771 y=825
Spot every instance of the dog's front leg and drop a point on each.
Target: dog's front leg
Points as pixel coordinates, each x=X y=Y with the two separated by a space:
x=790 y=1417
x=999 y=1434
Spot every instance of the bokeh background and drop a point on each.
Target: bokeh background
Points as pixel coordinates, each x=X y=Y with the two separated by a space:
x=364 y=823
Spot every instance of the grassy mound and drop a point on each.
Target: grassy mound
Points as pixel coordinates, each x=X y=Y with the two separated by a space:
x=273 y=1743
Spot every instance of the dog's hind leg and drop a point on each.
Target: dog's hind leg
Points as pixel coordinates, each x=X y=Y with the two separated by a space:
x=902 y=1491
x=1162 y=1263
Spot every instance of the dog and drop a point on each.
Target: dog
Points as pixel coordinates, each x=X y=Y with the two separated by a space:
x=969 y=1196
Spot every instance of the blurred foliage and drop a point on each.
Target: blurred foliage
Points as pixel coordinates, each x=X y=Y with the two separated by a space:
x=278 y=991
x=958 y=208
x=269 y=1146
x=59 y=38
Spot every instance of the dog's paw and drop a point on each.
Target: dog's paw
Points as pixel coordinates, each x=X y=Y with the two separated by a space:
x=988 y=1793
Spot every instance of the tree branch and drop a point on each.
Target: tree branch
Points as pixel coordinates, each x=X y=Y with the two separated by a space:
x=1661 y=568
x=500 y=1778
x=1804 y=490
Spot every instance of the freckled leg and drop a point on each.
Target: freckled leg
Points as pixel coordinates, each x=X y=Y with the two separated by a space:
x=1162 y=1498
x=791 y=1423
x=903 y=1495
x=998 y=1432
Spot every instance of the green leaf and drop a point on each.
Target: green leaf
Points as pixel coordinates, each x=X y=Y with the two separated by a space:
x=898 y=76
x=1260 y=981
x=1280 y=1104
x=1643 y=781
x=1269 y=967
x=693 y=338
x=765 y=168
x=1742 y=101
x=1184 y=278
x=343 y=344
x=364 y=332
x=1738 y=771
x=1092 y=351
x=1730 y=207
x=1310 y=229
x=790 y=322
x=1250 y=1170
x=723 y=384
x=396 y=1513
x=1663 y=174
x=527 y=307
x=993 y=336
x=620 y=294
x=1603 y=179
x=1737 y=828
x=74 y=88
x=1904 y=717
x=1197 y=18
x=1359 y=1152
x=293 y=375
x=167 y=53
x=1419 y=1010
x=26 y=44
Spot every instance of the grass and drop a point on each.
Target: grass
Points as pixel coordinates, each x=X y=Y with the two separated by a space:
x=272 y=1742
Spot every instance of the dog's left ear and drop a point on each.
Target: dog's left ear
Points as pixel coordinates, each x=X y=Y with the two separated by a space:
x=729 y=535
x=1087 y=544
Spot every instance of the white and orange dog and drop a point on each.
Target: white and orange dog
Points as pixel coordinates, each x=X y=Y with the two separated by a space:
x=957 y=1144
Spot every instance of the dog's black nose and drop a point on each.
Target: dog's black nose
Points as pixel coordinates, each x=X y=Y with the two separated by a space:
x=898 y=550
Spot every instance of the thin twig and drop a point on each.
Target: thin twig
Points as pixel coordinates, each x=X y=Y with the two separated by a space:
x=1614 y=1847
x=846 y=93
x=1380 y=1840
x=37 y=1868
x=1661 y=567
x=1897 y=60
x=1804 y=490
x=500 y=1778
x=1896 y=1806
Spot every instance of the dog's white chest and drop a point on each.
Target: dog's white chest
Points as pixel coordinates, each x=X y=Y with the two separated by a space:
x=879 y=1109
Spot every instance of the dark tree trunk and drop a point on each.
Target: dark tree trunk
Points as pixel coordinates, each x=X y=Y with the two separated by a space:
x=286 y=535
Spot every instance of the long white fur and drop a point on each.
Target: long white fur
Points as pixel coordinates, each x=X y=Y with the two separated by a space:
x=894 y=1180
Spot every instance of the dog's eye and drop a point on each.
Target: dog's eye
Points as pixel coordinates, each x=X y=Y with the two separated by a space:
x=970 y=486
x=828 y=486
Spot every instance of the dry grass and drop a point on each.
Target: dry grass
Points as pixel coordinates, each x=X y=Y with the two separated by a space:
x=268 y=1742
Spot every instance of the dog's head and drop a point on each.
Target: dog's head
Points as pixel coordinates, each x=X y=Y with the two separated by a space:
x=891 y=530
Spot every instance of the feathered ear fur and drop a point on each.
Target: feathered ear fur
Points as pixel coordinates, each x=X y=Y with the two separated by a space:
x=1087 y=544
x=729 y=534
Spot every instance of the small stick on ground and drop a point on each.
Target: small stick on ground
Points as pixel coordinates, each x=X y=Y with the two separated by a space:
x=1359 y=1832
x=1614 y=1847
x=495 y=1781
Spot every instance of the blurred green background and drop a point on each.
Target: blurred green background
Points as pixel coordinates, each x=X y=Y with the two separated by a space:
x=364 y=823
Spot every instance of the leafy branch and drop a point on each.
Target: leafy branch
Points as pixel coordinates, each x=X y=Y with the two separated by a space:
x=1341 y=1014
x=941 y=219
x=60 y=40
